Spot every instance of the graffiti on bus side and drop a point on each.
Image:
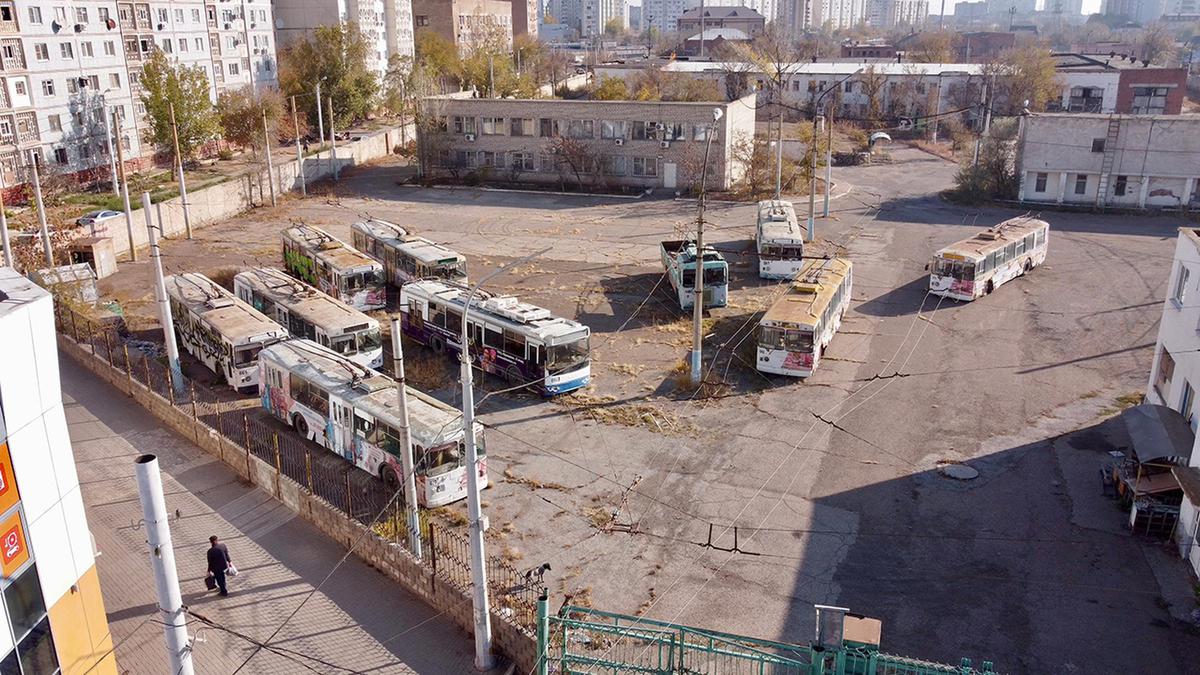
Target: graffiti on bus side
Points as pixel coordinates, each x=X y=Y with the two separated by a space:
x=300 y=265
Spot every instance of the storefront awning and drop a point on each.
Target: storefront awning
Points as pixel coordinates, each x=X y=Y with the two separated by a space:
x=1159 y=434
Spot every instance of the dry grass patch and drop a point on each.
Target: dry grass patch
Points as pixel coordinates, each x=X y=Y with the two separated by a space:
x=512 y=477
x=606 y=410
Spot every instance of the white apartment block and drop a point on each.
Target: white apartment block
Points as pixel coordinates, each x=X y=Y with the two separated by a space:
x=386 y=25
x=66 y=68
x=595 y=15
x=843 y=13
x=904 y=13
x=799 y=15
x=663 y=15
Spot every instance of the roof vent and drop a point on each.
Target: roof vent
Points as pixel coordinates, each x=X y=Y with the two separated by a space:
x=219 y=303
x=989 y=235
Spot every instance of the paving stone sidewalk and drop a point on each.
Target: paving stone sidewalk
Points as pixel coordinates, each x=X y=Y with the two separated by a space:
x=359 y=622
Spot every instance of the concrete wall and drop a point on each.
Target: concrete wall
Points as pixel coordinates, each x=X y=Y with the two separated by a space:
x=388 y=558
x=226 y=200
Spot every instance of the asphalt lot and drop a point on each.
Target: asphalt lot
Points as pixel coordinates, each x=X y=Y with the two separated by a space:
x=632 y=489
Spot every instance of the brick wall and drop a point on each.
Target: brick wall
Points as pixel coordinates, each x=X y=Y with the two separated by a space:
x=1173 y=78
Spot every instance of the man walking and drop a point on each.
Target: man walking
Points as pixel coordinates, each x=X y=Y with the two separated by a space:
x=218 y=562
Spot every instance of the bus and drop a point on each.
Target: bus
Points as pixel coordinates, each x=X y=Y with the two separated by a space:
x=508 y=338
x=779 y=240
x=315 y=257
x=679 y=261
x=975 y=267
x=222 y=332
x=308 y=313
x=407 y=257
x=795 y=331
x=354 y=412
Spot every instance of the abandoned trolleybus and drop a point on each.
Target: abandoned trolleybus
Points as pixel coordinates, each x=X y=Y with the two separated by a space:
x=308 y=313
x=316 y=257
x=508 y=338
x=354 y=412
x=779 y=240
x=977 y=266
x=222 y=332
x=407 y=257
x=795 y=331
x=679 y=262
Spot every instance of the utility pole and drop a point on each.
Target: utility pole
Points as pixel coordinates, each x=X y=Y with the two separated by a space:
x=698 y=292
x=299 y=155
x=267 y=151
x=332 y=142
x=937 y=108
x=41 y=209
x=812 y=183
x=701 y=35
x=112 y=159
x=779 y=141
x=160 y=296
x=187 y=216
x=162 y=559
x=491 y=77
x=410 y=479
x=320 y=118
x=124 y=189
x=828 y=157
x=4 y=241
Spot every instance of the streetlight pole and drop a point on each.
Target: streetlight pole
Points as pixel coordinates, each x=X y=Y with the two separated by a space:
x=479 y=593
x=698 y=293
x=810 y=231
x=112 y=160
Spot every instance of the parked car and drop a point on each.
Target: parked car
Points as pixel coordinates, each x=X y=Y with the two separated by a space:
x=94 y=217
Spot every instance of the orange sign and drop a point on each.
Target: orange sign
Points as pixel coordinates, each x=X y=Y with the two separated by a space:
x=14 y=550
x=8 y=486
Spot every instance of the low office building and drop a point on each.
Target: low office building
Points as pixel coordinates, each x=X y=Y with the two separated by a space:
x=744 y=19
x=1129 y=161
x=587 y=144
x=52 y=616
x=1119 y=83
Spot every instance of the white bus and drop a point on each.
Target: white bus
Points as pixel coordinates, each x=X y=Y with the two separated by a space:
x=977 y=266
x=779 y=240
x=222 y=332
x=316 y=257
x=407 y=257
x=679 y=262
x=308 y=313
x=508 y=338
x=795 y=331
x=354 y=412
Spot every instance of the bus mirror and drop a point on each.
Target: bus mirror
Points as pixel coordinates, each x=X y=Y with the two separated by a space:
x=926 y=267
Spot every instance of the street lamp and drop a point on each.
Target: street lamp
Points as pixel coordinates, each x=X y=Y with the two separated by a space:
x=698 y=294
x=479 y=599
x=108 y=142
x=810 y=234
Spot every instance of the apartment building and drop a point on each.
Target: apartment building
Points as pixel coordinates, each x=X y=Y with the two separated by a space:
x=1127 y=161
x=467 y=23
x=800 y=15
x=525 y=17
x=52 y=617
x=904 y=13
x=663 y=15
x=596 y=14
x=386 y=25
x=838 y=14
x=633 y=144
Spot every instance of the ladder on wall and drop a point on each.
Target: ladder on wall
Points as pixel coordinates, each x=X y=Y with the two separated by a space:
x=1106 y=164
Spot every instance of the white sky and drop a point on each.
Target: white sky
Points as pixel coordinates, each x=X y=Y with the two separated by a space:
x=1089 y=6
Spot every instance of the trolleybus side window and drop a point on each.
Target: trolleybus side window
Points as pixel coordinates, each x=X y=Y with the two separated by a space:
x=437 y=314
x=514 y=343
x=1041 y=236
x=453 y=320
x=1010 y=252
x=493 y=338
x=311 y=396
x=1020 y=244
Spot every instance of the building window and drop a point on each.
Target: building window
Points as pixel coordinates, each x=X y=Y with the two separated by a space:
x=548 y=128
x=183 y=46
x=1121 y=185
x=700 y=132
x=464 y=125
x=93 y=81
x=1097 y=145
x=81 y=15
x=48 y=87
x=114 y=80
x=581 y=129
x=492 y=126
x=673 y=131
x=521 y=126
x=103 y=14
x=60 y=14
x=110 y=48
x=421 y=20
x=1187 y=402
x=522 y=161
x=612 y=129
x=55 y=122
x=162 y=15
x=35 y=15
x=167 y=46
x=85 y=49
x=66 y=51
x=1179 y=290
x=234 y=68
x=41 y=52
x=199 y=44
x=645 y=166
x=195 y=16
x=1166 y=370
x=72 y=85
x=1039 y=183
x=19 y=88
x=614 y=165
x=1080 y=183
x=645 y=131
x=178 y=16
x=1149 y=100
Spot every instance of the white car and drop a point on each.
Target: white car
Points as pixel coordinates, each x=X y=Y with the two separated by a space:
x=95 y=217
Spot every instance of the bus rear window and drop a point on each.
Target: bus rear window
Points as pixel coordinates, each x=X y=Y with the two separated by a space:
x=791 y=339
x=714 y=276
x=244 y=356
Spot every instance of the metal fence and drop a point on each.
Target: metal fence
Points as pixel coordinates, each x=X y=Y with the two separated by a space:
x=582 y=641
x=345 y=487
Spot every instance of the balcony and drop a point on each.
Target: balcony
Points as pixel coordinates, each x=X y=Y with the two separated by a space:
x=27 y=129
x=8 y=18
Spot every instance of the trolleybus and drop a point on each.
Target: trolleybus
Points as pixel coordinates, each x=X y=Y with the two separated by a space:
x=679 y=262
x=795 y=331
x=779 y=240
x=308 y=313
x=354 y=412
x=407 y=257
x=977 y=266
x=220 y=331
x=316 y=257
x=512 y=339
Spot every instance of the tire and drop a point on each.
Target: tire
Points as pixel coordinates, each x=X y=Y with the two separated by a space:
x=437 y=344
x=513 y=375
x=989 y=288
x=391 y=482
x=1028 y=265
x=300 y=425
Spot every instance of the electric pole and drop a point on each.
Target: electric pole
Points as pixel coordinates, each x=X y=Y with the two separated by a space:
x=320 y=118
x=160 y=296
x=112 y=159
x=41 y=209
x=4 y=241
x=332 y=142
x=828 y=156
x=410 y=479
x=299 y=155
x=124 y=189
x=162 y=559
x=698 y=292
x=812 y=180
x=187 y=216
x=270 y=164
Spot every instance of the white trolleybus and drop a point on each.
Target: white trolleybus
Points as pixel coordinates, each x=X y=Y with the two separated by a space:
x=795 y=331
x=977 y=266
x=779 y=240
x=308 y=313
x=508 y=338
x=222 y=332
x=407 y=257
x=355 y=412
x=679 y=262
x=316 y=257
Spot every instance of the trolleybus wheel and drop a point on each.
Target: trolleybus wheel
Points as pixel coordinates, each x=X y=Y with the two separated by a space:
x=388 y=475
x=301 y=425
x=437 y=344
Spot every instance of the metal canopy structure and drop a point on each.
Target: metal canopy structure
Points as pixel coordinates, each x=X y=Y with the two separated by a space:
x=1159 y=435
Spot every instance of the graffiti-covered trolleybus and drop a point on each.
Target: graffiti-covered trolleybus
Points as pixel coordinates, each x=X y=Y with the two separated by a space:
x=316 y=257
x=222 y=332
x=407 y=257
x=512 y=339
x=979 y=265
x=795 y=331
x=354 y=412
x=308 y=313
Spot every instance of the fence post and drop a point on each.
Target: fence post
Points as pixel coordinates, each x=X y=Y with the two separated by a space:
x=195 y=419
x=170 y=390
x=349 y=506
x=146 y=362
x=543 y=634
x=128 y=370
x=432 y=559
x=308 y=468
x=74 y=326
x=108 y=347
x=246 y=438
x=278 y=468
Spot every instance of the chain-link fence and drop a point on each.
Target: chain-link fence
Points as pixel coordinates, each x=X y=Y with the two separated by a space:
x=447 y=552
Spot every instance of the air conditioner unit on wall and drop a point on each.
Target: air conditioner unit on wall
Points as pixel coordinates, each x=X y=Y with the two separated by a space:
x=665 y=144
x=470 y=137
x=620 y=141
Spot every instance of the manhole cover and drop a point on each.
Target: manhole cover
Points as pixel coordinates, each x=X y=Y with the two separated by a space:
x=958 y=471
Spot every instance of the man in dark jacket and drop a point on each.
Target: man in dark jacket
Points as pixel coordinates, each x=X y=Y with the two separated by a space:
x=218 y=562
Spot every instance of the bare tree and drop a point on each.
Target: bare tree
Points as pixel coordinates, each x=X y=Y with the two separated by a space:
x=572 y=156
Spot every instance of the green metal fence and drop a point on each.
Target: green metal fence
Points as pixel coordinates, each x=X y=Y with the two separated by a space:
x=579 y=641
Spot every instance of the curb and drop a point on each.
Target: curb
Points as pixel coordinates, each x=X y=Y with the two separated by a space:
x=555 y=193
